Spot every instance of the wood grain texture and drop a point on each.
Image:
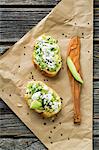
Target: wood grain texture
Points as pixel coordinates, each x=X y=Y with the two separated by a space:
x=96 y=22
x=15 y=22
x=96 y=61
x=96 y=143
x=21 y=144
x=29 y=2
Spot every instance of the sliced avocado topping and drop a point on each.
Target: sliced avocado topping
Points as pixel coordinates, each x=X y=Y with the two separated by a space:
x=42 y=98
x=73 y=70
x=36 y=105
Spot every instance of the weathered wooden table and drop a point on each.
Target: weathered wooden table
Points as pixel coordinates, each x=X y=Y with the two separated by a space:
x=16 y=18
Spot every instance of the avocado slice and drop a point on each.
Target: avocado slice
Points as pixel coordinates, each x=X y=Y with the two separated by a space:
x=36 y=105
x=73 y=70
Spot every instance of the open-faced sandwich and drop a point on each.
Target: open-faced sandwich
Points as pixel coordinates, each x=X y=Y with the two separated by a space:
x=42 y=99
x=46 y=55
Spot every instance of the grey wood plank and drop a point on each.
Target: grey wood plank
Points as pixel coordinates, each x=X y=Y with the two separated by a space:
x=29 y=2
x=4 y=48
x=11 y=125
x=21 y=144
x=96 y=85
x=96 y=127
x=96 y=60
x=96 y=143
x=15 y=22
x=96 y=22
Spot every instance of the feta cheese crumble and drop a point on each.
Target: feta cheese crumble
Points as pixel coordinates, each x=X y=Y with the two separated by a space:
x=47 y=53
x=49 y=100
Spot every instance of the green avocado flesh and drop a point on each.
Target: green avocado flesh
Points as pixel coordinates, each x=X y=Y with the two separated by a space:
x=42 y=97
x=36 y=105
x=47 y=53
x=73 y=70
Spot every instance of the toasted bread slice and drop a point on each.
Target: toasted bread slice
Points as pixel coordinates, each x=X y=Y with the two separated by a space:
x=46 y=56
x=42 y=99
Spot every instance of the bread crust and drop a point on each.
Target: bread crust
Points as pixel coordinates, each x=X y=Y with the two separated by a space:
x=43 y=113
x=44 y=72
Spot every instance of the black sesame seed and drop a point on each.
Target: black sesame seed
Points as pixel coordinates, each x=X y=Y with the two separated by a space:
x=9 y=94
x=49 y=137
x=52 y=49
x=50 y=131
x=44 y=123
x=61 y=98
x=51 y=142
x=43 y=103
x=54 y=127
x=62 y=33
x=61 y=134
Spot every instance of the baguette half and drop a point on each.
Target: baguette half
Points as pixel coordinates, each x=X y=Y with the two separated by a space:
x=42 y=99
x=46 y=56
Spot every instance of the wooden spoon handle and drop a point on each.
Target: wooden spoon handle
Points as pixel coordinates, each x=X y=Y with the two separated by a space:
x=74 y=53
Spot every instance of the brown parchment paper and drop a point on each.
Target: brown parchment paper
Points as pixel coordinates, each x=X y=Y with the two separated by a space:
x=67 y=19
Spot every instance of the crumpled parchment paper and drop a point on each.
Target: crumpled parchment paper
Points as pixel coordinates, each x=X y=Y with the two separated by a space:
x=67 y=19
